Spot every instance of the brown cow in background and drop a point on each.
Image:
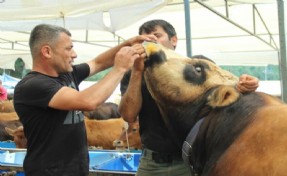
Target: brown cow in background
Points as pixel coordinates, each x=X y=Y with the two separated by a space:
x=103 y=133
x=129 y=138
x=237 y=134
x=18 y=136
x=13 y=124
x=104 y=111
x=100 y=133
x=8 y=119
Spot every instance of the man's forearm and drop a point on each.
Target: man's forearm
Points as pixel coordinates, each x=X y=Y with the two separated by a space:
x=131 y=101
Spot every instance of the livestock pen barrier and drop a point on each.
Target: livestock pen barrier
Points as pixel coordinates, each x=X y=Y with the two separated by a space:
x=102 y=162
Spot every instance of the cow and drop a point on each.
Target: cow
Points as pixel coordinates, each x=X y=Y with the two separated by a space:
x=13 y=124
x=129 y=138
x=18 y=136
x=103 y=133
x=105 y=111
x=221 y=131
x=100 y=134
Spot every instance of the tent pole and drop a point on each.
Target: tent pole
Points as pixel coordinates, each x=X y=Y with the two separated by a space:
x=283 y=59
x=187 y=28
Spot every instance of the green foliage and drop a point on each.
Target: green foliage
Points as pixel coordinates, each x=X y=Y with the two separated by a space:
x=269 y=72
x=98 y=76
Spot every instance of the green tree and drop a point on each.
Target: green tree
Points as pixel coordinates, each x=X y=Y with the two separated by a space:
x=269 y=72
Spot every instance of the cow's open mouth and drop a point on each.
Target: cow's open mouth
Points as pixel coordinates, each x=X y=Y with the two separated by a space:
x=150 y=48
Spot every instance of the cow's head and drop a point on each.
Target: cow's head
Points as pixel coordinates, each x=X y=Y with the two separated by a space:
x=181 y=85
x=180 y=79
x=129 y=138
x=18 y=135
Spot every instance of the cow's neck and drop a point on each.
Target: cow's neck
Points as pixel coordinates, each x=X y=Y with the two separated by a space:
x=220 y=128
x=180 y=119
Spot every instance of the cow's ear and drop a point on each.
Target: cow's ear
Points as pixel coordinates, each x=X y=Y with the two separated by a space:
x=10 y=131
x=223 y=96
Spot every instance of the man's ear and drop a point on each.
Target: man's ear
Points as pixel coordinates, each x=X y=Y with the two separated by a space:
x=46 y=51
x=223 y=96
x=174 y=41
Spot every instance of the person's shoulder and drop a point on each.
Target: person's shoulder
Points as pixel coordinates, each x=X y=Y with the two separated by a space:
x=35 y=79
x=36 y=84
x=30 y=77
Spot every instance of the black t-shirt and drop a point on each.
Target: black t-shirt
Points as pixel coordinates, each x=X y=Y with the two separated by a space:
x=57 y=141
x=154 y=134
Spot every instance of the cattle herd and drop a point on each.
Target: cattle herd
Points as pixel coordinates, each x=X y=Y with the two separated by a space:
x=105 y=128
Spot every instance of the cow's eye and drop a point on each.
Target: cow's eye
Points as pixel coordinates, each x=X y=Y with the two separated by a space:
x=198 y=69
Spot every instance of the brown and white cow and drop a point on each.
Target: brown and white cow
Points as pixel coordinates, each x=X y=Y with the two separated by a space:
x=239 y=134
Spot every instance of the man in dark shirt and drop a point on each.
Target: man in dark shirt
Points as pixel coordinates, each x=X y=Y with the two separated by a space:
x=49 y=103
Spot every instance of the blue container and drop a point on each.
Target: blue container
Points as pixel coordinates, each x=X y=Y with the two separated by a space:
x=101 y=161
x=17 y=174
x=12 y=159
x=114 y=161
x=7 y=144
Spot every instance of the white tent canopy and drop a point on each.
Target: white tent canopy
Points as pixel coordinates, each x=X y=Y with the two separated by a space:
x=98 y=25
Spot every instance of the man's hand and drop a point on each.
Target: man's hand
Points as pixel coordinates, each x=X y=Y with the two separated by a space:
x=139 y=48
x=141 y=38
x=125 y=58
x=247 y=83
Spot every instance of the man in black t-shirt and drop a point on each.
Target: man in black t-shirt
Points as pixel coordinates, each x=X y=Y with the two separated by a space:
x=49 y=103
x=161 y=154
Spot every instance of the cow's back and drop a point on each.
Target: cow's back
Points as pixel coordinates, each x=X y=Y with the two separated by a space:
x=261 y=148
